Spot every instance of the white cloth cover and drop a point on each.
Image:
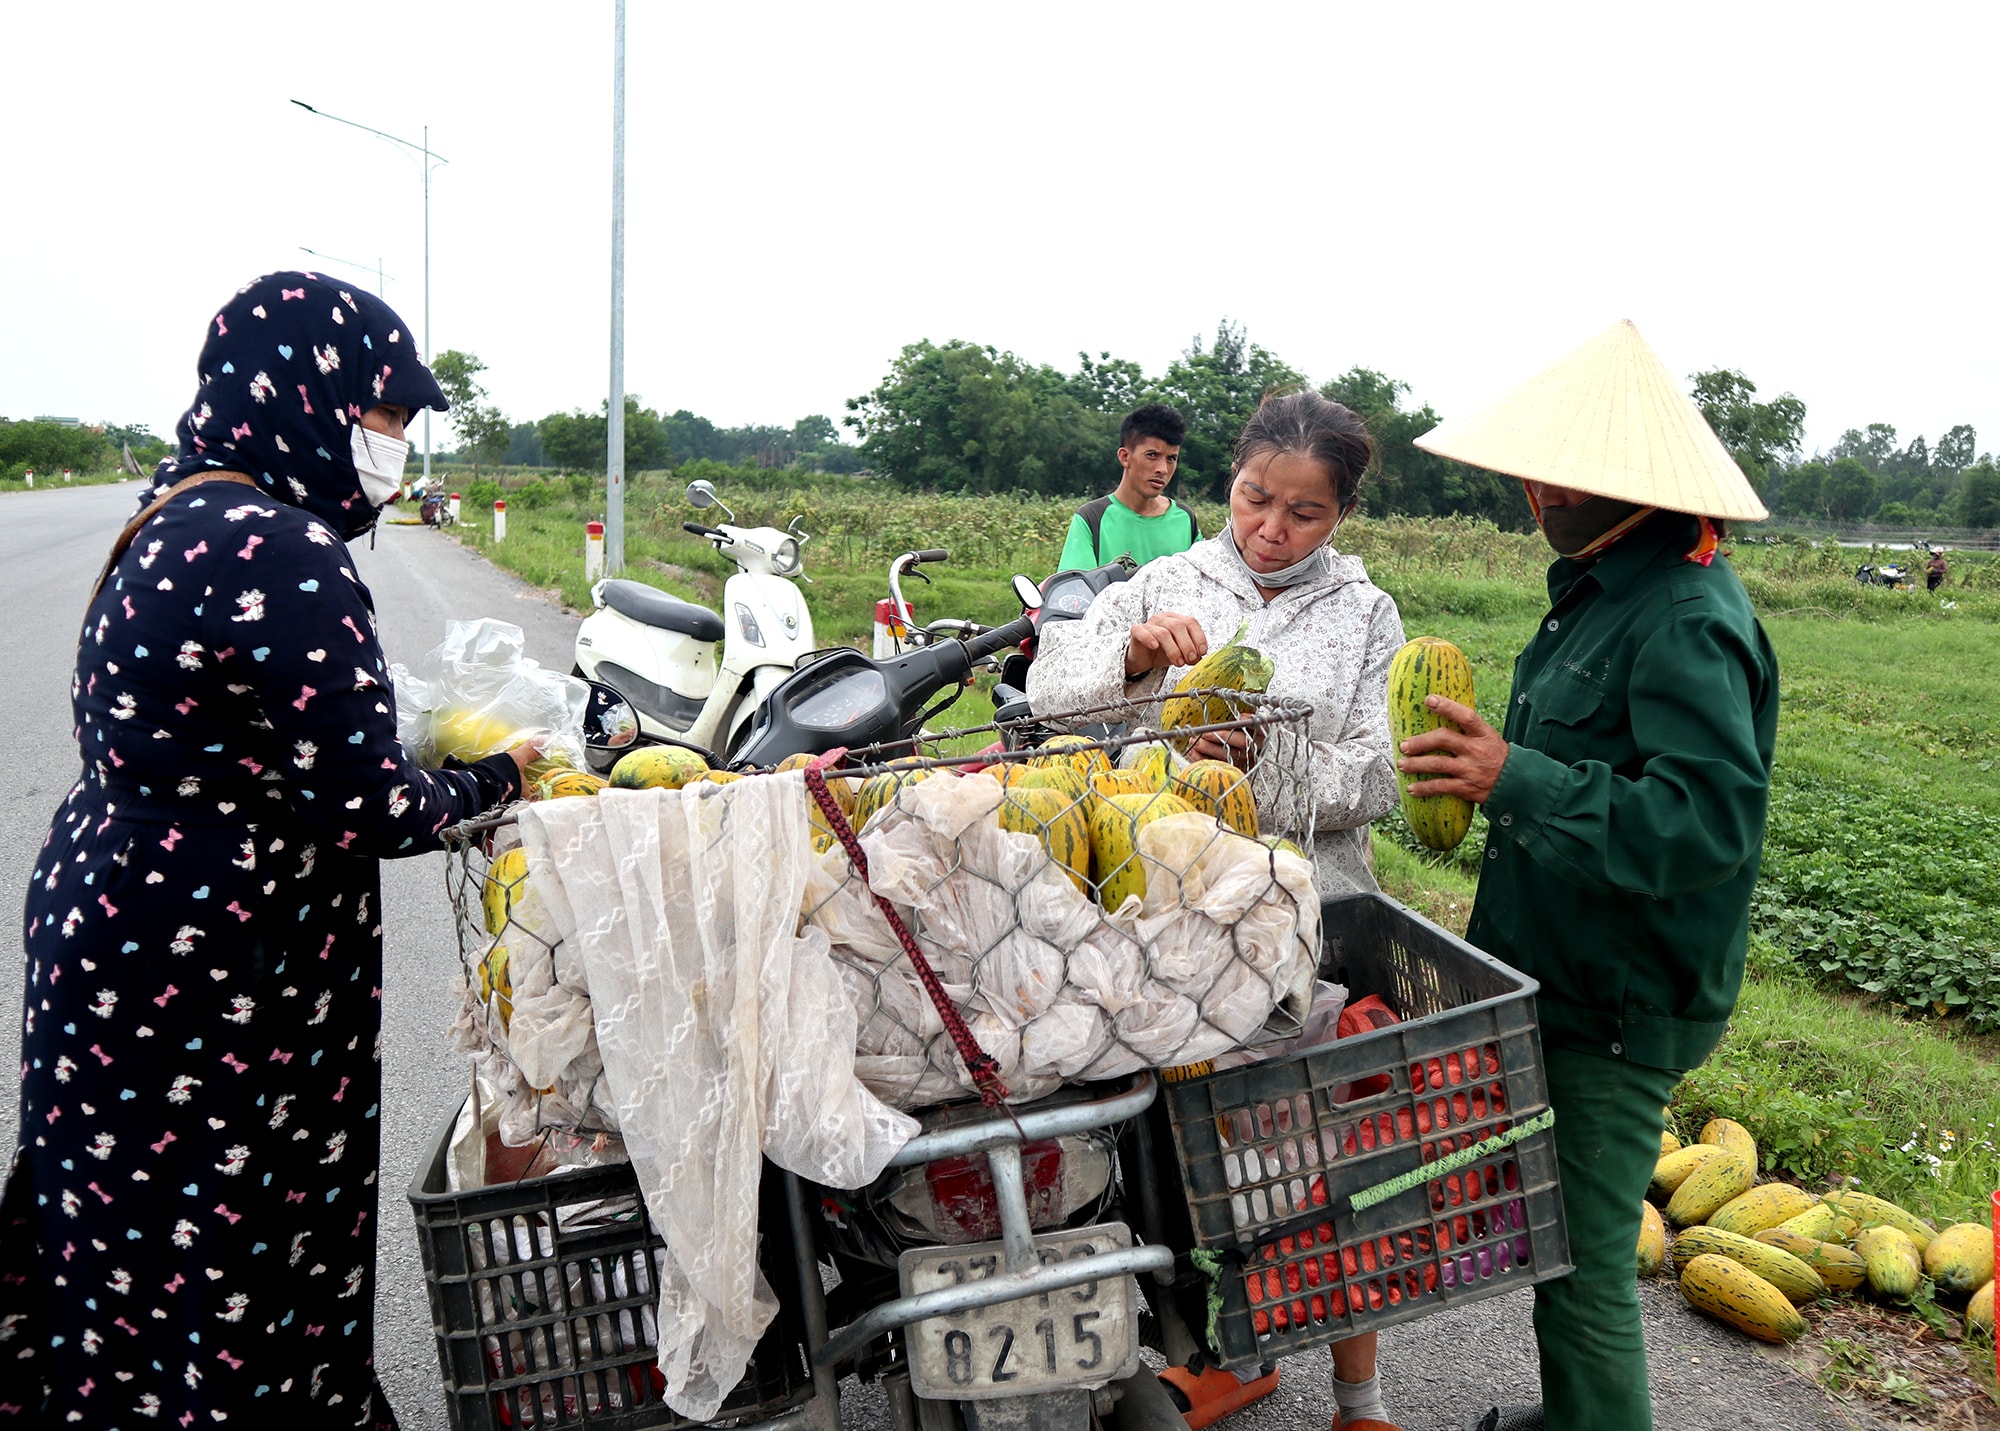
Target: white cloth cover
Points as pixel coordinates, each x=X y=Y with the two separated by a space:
x=726 y=1036
x=1053 y=987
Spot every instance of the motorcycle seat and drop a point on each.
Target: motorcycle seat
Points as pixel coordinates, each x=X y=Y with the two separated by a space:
x=650 y=606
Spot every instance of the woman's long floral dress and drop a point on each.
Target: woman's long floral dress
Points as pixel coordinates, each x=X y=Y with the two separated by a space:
x=189 y=1231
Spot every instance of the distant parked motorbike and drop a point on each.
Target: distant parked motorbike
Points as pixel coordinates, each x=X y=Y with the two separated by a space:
x=1896 y=578
x=435 y=508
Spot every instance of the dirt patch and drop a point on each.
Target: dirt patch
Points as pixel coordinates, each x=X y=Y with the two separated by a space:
x=1883 y=1368
x=706 y=586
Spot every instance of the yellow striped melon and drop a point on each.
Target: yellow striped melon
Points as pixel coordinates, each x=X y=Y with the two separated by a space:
x=1115 y=822
x=505 y=883
x=1979 y=1312
x=1866 y=1209
x=1215 y=787
x=1652 y=1240
x=1894 y=1264
x=1732 y=1293
x=1728 y=1133
x=496 y=979
x=567 y=784
x=1839 y=1267
x=880 y=791
x=1708 y=1189
x=1234 y=667
x=1155 y=762
x=1424 y=667
x=1762 y=1207
x=1677 y=1167
x=1057 y=821
x=1781 y=1269
x=1960 y=1258
x=1668 y=1143
x=1120 y=782
x=1083 y=756
x=1823 y=1222
x=657 y=767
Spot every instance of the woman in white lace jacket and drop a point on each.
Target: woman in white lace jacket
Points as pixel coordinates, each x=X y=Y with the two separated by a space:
x=1329 y=633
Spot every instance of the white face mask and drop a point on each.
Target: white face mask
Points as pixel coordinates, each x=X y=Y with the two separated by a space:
x=378 y=461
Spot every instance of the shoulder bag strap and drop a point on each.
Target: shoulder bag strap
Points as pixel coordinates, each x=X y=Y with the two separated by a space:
x=150 y=510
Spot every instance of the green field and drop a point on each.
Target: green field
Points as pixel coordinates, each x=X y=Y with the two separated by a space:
x=1863 y=1043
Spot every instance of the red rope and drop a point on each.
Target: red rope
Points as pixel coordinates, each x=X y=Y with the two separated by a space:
x=979 y=1063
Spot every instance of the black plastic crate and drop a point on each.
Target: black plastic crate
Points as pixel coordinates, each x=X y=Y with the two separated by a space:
x=1272 y=1153
x=542 y=1325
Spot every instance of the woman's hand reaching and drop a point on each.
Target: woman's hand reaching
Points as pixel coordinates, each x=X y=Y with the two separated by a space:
x=525 y=754
x=1167 y=640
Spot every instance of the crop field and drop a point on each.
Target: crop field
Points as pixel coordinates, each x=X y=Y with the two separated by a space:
x=1864 y=1043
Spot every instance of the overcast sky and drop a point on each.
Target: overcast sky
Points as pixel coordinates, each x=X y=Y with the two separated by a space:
x=1453 y=194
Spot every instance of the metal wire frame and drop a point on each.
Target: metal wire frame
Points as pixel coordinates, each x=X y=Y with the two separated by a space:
x=894 y=1025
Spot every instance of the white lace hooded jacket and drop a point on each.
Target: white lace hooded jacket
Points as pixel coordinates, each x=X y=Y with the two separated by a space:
x=1330 y=641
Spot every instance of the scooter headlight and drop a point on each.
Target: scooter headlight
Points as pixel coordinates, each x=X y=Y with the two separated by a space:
x=785 y=560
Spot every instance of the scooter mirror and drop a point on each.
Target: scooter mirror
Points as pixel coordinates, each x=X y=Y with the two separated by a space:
x=609 y=722
x=1025 y=590
x=700 y=493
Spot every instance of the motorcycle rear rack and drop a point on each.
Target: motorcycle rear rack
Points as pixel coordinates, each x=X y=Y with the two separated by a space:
x=1000 y=1138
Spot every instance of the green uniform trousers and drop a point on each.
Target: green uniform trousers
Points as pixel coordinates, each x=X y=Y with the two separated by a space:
x=1587 y=1324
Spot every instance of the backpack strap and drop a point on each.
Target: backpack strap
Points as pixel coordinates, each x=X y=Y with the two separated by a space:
x=1093 y=518
x=1194 y=522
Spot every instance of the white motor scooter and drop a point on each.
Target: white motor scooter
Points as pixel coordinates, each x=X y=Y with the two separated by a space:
x=659 y=652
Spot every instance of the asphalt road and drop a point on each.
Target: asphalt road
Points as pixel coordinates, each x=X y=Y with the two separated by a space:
x=1437 y=1372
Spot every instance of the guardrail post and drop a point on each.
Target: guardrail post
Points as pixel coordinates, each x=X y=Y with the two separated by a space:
x=499 y=521
x=454 y=508
x=593 y=550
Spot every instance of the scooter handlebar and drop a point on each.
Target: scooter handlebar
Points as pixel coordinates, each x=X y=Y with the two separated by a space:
x=699 y=530
x=1000 y=638
x=934 y=554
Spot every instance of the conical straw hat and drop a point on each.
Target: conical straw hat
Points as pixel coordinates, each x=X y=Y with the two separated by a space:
x=1609 y=420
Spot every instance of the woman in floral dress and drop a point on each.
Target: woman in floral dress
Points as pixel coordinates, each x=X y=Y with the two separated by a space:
x=188 y=1232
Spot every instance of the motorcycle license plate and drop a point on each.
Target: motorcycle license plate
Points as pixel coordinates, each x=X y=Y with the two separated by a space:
x=1084 y=1335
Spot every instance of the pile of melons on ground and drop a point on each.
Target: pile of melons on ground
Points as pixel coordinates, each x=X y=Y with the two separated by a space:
x=1751 y=1254
x=1086 y=812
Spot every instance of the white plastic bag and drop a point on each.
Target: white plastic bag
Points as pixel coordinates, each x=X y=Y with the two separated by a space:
x=479 y=693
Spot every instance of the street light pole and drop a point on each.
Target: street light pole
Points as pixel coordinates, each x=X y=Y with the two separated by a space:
x=614 y=428
x=423 y=149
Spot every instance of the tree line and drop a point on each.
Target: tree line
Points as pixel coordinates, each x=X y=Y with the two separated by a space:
x=45 y=447
x=578 y=441
x=1869 y=475
x=961 y=417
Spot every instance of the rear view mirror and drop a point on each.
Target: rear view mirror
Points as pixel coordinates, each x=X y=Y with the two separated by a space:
x=1025 y=591
x=609 y=722
x=700 y=493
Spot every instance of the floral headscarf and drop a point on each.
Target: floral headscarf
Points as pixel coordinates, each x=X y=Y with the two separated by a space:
x=290 y=362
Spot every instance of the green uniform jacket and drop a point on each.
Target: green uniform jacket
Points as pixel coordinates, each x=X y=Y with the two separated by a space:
x=1627 y=825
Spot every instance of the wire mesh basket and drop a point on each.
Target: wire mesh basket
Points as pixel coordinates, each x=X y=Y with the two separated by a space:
x=1067 y=912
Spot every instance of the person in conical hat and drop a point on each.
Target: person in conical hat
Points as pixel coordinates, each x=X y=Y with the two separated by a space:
x=1625 y=802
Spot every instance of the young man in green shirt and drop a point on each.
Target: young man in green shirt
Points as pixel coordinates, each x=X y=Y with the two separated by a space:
x=1625 y=804
x=1138 y=520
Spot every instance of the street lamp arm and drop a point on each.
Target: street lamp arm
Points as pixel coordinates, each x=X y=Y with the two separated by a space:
x=423 y=149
